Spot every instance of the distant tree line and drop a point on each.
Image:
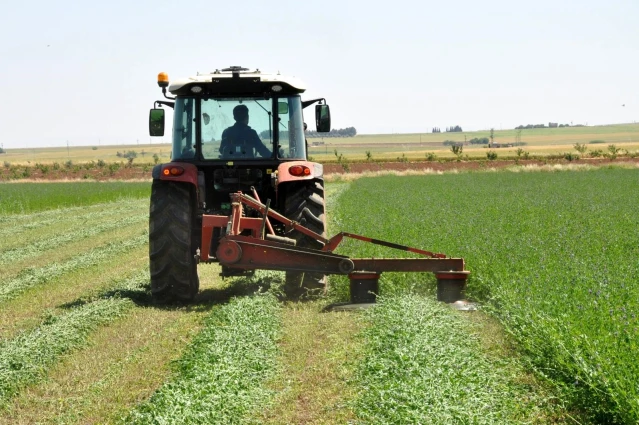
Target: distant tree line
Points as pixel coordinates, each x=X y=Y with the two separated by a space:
x=2 y=150
x=336 y=132
x=453 y=129
x=550 y=125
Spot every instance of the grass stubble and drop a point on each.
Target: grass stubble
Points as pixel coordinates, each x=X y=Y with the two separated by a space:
x=317 y=357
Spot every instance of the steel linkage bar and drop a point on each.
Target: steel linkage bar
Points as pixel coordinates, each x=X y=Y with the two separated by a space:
x=255 y=252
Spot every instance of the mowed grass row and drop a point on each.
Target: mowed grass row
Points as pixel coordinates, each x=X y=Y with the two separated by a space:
x=27 y=310
x=552 y=254
x=14 y=226
x=408 y=360
x=28 y=197
x=26 y=393
x=37 y=248
x=118 y=364
x=422 y=364
x=26 y=358
x=82 y=317
x=220 y=378
x=42 y=275
x=259 y=361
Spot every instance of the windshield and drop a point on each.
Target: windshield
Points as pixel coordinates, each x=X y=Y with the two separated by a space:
x=239 y=128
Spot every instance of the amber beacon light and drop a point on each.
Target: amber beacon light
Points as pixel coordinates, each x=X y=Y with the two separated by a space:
x=163 y=79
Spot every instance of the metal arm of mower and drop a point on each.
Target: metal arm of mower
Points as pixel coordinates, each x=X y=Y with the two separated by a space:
x=255 y=252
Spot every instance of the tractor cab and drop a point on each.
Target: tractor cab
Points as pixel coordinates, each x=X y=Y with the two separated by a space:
x=233 y=130
x=237 y=115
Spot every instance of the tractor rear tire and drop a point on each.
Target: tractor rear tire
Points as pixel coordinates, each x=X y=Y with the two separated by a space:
x=305 y=204
x=172 y=242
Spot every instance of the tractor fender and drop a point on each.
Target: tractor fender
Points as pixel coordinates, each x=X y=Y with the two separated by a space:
x=188 y=172
x=284 y=174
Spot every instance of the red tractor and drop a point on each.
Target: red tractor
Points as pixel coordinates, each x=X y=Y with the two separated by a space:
x=234 y=130
x=246 y=196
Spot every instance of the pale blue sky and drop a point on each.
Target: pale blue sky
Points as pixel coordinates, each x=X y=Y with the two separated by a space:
x=386 y=67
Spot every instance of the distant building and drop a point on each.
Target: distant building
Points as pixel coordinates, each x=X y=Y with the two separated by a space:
x=553 y=125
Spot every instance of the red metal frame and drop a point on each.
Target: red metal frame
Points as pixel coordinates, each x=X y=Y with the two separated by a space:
x=238 y=250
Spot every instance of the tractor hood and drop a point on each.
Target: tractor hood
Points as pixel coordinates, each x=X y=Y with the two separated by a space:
x=236 y=81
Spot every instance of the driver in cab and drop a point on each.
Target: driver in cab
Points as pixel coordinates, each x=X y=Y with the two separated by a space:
x=240 y=139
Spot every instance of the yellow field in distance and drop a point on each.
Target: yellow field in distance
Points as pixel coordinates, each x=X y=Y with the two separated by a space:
x=540 y=141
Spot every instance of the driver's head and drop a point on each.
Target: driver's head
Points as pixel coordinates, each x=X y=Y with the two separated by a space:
x=206 y=118
x=241 y=114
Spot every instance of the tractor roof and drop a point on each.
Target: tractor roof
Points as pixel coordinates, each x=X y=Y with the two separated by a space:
x=236 y=81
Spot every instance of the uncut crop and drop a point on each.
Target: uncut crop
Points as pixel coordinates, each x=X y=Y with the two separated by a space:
x=219 y=380
x=552 y=254
x=32 y=197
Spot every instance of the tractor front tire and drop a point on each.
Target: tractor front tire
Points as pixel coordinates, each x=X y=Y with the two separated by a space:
x=305 y=204
x=172 y=242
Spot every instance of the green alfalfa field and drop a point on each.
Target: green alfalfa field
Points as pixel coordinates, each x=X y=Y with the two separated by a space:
x=554 y=270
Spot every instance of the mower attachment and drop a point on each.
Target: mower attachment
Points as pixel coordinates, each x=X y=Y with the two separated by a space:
x=244 y=245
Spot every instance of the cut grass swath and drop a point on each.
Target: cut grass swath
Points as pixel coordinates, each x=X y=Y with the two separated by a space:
x=14 y=225
x=25 y=359
x=422 y=366
x=41 y=275
x=37 y=248
x=219 y=380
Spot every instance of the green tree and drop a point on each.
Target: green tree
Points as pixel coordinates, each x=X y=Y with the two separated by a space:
x=580 y=147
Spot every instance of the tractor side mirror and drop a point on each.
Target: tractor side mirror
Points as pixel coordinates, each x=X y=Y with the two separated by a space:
x=156 y=122
x=322 y=118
